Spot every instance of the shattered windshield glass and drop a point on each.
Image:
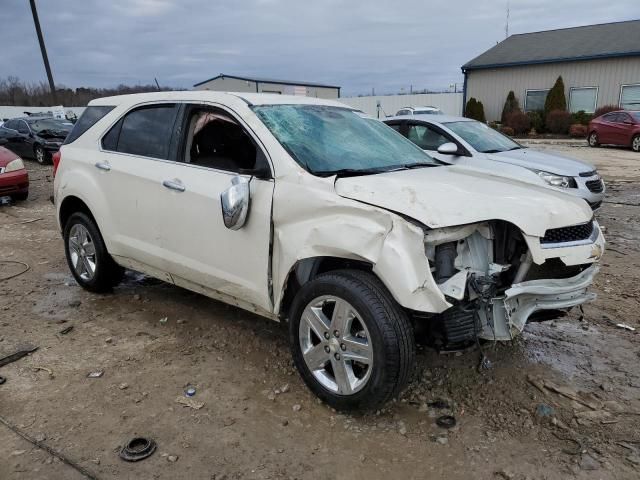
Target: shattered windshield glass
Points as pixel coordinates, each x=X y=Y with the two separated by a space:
x=332 y=140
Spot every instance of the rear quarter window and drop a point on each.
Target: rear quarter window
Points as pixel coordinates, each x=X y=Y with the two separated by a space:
x=88 y=119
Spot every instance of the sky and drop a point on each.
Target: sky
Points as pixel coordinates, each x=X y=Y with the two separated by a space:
x=359 y=45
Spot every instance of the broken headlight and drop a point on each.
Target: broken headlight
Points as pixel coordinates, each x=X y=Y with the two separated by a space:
x=557 y=180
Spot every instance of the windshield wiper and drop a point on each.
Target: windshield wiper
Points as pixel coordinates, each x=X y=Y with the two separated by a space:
x=515 y=148
x=419 y=165
x=354 y=172
x=493 y=150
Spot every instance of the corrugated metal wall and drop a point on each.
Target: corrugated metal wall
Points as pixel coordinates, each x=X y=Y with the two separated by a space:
x=227 y=84
x=449 y=103
x=492 y=86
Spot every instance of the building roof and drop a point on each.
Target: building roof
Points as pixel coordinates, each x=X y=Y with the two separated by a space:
x=606 y=40
x=268 y=80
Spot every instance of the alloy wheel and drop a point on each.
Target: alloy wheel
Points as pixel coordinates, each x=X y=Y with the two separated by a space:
x=593 y=139
x=40 y=155
x=82 y=252
x=635 y=145
x=336 y=345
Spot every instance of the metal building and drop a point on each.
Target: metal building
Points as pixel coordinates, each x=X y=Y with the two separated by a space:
x=599 y=65
x=234 y=83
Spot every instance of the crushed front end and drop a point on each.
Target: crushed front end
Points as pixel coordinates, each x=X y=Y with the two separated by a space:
x=496 y=278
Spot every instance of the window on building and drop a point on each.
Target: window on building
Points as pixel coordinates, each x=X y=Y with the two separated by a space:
x=534 y=100
x=583 y=99
x=630 y=97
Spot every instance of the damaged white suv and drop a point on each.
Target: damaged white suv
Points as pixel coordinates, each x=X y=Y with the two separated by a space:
x=302 y=210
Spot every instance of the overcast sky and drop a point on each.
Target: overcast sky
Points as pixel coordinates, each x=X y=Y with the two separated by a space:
x=359 y=45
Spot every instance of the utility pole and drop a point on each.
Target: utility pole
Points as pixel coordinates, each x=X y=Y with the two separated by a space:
x=52 y=86
x=506 y=26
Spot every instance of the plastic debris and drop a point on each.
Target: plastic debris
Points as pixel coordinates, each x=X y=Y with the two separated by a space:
x=96 y=374
x=190 y=392
x=189 y=402
x=625 y=326
x=164 y=320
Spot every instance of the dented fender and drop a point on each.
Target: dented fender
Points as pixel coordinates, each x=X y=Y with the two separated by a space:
x=322 y=224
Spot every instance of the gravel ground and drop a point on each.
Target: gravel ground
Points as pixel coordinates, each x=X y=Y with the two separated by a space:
x=255 y=418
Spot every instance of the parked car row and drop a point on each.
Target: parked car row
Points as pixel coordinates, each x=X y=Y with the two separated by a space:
x=303 y=210
x=35 y=137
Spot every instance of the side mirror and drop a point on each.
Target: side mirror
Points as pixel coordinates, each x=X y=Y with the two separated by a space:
x=448 y=148
x=235 y=203
x=3 y=141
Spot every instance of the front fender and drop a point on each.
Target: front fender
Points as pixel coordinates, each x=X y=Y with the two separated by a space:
x=319 y=223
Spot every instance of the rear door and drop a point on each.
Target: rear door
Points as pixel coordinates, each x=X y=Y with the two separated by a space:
x=134 y=160
x=202 y=253
x=21 y=143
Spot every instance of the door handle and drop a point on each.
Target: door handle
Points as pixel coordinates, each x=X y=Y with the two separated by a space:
x=174 y=185
x=103 y=166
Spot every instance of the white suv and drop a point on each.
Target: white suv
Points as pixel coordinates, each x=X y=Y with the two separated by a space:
x=303 y=210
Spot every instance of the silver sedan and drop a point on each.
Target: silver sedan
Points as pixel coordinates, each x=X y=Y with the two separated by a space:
x=462 y=141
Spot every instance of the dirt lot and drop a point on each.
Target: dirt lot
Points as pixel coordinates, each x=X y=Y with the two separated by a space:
x=259 y=420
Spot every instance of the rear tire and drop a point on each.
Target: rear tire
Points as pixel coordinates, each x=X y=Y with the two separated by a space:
x=635 y=143
x=87 y=256
x=593 y=140
x=41 y=155
x=358 y=360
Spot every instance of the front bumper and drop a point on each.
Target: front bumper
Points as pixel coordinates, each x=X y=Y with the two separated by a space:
x=14 y=182
x=585 y=190
x=508 y=314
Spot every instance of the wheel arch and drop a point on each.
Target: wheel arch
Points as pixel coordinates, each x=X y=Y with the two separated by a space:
x=307 y=269
x=70 y=205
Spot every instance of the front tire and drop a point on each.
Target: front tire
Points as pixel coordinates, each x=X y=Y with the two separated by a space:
x=635 y=143
x=87 y=256
x=41 y=155
x=593 y=140
x=351 y=342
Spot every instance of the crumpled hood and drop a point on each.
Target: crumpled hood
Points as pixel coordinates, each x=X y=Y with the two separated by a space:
x=450 y=196
x=549 y=162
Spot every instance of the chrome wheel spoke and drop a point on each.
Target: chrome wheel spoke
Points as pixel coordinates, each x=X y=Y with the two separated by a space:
x=341 y=374
x=340 y=319
x=358 y=350
x=316 y=320
x=316 y=357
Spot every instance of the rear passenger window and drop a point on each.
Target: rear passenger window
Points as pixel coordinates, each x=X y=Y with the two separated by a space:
x=145 y=131
x=88 y=119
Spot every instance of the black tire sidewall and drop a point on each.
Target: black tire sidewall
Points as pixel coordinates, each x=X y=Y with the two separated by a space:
x=384 y=369
x=101 y=279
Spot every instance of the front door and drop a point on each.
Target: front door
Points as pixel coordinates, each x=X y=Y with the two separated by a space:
x=203 y=254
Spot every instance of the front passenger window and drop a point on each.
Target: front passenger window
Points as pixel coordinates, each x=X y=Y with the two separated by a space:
x=216 y=140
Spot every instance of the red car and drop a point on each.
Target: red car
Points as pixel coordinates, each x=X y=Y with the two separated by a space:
x=616 y=128
x=14 y=179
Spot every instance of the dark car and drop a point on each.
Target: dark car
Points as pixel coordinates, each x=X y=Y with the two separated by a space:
x=35 y=137
x=616 y=128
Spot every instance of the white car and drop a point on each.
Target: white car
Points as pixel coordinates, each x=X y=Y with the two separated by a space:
x=463 y=141
x=299 y=209
x=419 y=111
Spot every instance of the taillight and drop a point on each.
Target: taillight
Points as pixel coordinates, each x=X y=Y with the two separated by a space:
x=56 y=161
